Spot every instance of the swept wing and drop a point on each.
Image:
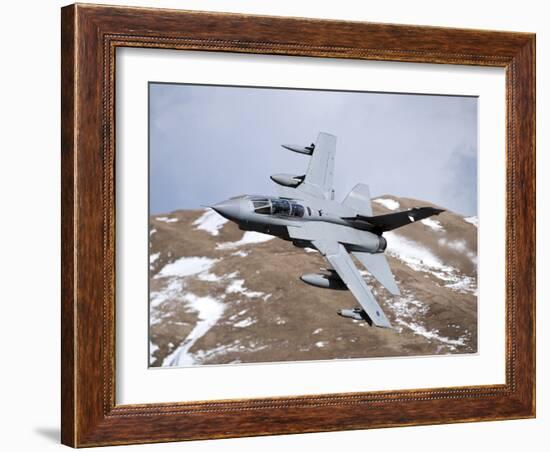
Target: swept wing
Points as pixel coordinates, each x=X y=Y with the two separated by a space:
x=318 y=180
x=342 y=263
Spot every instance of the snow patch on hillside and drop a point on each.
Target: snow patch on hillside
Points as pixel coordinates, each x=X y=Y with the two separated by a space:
x=244 y=323
x=210 y=221
x=210 y=277
x=186 y=266
x=408 y=310
x=459 y=246
x=414 y=255
x=466 y=284
x=240 y=253
x=387 y=203
x=407 y=307
x=204 y=355
x=237 y=286
x=209 y=311
x=433 y=224
x=472 y=220
x=421 y=330
x=172 y=291
x=167 y=219
x=153 y=257
x=248 y=238
x=420 y=258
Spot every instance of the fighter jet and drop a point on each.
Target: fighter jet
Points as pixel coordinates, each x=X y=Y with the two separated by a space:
x=306 y=213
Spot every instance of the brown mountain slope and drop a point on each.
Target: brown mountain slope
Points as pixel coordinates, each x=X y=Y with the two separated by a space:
x=218 y=295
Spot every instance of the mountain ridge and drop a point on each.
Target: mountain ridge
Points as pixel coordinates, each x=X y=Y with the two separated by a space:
x=220 y=295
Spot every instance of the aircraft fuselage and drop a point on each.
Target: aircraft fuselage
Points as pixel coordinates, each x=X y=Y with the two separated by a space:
x=273 y=216
x=306 y=214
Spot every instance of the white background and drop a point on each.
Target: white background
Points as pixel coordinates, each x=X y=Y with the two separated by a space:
x=29 y=180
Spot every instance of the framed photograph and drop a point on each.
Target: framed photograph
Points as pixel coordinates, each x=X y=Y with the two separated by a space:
x=266 y=231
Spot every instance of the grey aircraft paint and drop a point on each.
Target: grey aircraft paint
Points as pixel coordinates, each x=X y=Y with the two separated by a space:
x=306 y=214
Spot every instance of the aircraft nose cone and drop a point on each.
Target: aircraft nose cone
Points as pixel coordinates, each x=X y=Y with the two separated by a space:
x=230 y=209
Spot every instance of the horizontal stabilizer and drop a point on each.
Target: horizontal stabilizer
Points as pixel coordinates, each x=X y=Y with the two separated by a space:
x=382 y=223
x=378 y=266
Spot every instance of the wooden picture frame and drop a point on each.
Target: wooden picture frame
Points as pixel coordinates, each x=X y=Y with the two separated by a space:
x=90 y=35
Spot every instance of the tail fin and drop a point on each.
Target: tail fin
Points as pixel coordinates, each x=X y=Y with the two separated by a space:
x=378 y=266
x=359 y=199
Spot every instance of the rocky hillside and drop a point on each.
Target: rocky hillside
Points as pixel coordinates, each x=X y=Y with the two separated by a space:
x=218 y=295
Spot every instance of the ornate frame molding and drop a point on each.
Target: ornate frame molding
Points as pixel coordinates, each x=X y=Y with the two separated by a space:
x=90 y=37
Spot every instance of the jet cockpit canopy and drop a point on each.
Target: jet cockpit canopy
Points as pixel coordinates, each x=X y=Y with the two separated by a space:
x=277 y=206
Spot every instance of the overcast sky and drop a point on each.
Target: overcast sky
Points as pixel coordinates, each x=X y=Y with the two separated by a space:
x=208 y=143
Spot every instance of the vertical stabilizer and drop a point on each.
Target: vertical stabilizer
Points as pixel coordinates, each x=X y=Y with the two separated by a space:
x=359 y=200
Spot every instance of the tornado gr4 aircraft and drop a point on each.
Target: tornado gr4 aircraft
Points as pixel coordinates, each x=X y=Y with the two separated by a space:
x=305 y=213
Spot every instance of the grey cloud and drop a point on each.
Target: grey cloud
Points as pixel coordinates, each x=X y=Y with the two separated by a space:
x=210 y=143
